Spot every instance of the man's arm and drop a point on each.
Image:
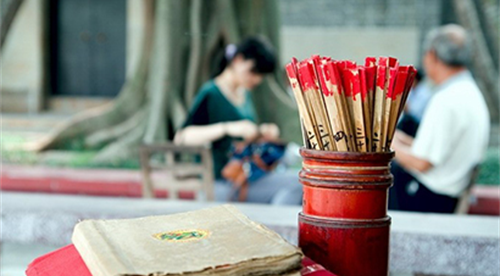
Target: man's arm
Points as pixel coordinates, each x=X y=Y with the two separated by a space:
x=402 y=146
x=402 y=137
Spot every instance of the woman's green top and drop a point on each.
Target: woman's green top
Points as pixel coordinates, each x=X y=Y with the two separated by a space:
x=210 y=107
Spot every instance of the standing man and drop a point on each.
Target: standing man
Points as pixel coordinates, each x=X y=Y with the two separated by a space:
x=434 y=168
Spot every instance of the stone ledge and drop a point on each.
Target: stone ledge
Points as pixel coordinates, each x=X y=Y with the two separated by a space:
x=423 y=243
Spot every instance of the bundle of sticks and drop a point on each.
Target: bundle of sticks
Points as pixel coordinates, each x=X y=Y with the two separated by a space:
x=348 y=107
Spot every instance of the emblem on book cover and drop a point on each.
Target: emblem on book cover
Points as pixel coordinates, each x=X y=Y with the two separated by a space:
x=182 y=235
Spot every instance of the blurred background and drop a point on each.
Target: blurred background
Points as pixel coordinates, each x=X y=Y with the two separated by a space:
x=64 y=57
x=84 y=83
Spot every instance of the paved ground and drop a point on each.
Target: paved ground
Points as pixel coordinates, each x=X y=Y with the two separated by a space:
x=17 y=129
x=41 y=122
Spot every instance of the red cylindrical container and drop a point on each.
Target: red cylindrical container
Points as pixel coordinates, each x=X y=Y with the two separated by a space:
x=346 y=247
x=344 y=225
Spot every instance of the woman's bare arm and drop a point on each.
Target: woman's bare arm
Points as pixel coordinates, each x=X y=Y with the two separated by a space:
x=199 y=135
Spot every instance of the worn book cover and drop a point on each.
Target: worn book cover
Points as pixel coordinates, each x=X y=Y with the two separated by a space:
x=214 y=241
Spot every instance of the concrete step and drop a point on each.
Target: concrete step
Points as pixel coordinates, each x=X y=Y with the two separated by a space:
x=96 y=182
x=39 y=122
x=70 y=105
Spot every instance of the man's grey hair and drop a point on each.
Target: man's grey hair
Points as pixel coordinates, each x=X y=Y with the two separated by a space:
x=451 y=45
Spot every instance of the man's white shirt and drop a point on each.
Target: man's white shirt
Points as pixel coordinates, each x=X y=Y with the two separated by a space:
x=453 y=135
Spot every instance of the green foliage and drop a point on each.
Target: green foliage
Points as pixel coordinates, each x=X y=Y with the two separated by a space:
x=73 y=156
x=75 y=144
x=489 y=173
x=11 y=152
x=18 y=157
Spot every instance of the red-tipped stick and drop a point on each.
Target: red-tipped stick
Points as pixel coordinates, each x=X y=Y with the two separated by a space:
x=363 y=84
x=342 y=66
x=371 y=74
x=334 y=113
x=346 y=102
x=321 y=105
x=306 y=119
x=379 y=104
x=393 y=70
x=396 y=97
x=370 y=61
x=409 y=84
x=338 y=93
x=352 y=83
x=345 y=107
x=315 y=101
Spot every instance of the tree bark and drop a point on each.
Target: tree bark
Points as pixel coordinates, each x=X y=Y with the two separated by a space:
x=103 y=136
x=482 y=60
x=272 y=94
x=8 y=15
x=196 y=51
x=489 y=29
x=71 y=133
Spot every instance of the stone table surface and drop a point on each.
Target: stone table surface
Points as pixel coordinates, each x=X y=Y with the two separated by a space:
x=424 y=243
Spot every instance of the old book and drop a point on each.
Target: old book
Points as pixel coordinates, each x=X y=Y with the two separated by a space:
x=214 y=241
x=66 y=261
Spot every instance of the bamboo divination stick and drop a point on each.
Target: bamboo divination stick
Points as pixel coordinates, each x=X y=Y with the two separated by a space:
x=335 y=82
x=352 y=85
x=334 y=113
x=315 y=101
x=397 y=96
x=306 y=119
x=378 y=105
x=393 y=70
x=364 y=82
x=346 y=100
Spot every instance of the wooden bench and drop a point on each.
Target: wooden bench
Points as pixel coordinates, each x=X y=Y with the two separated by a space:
x=465 y=198
x=190 y=169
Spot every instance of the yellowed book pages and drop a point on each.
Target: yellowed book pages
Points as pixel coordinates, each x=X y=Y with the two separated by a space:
x=214 y=241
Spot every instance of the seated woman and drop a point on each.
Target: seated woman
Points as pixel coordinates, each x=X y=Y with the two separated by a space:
x=223 y=113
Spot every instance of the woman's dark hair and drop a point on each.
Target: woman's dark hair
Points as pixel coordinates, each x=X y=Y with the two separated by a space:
x=254 y=48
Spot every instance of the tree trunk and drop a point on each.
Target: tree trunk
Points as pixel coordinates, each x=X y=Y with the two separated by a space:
x=489 y=28
x=272 y=94
x=74 y=133
x=8 y=14
x=486 y=72
x=153 y=103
